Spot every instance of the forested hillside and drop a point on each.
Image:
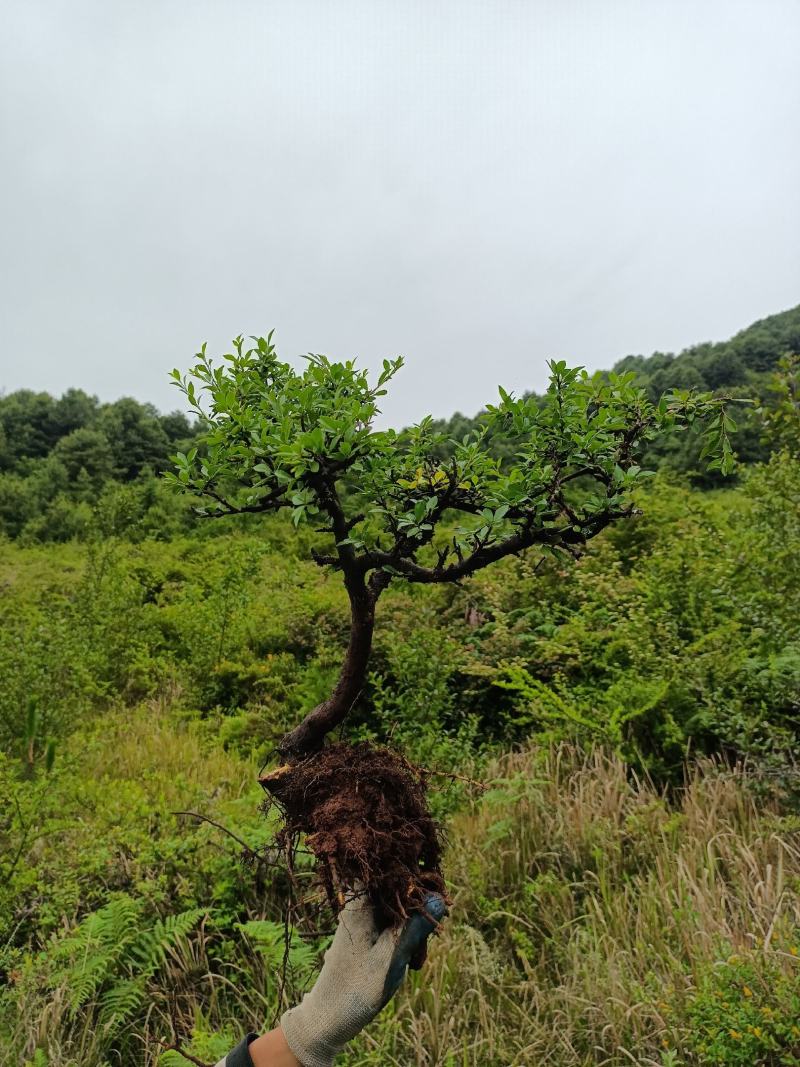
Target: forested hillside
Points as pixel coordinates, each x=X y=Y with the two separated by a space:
x=58 y=455
x=741 y=367
x=623 y=827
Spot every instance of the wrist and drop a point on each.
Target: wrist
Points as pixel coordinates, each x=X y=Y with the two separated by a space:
x=272 y=1050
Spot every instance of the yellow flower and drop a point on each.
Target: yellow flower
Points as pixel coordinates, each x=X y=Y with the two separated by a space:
x=748 y=992
x=766 y=1011
x=793 y=950
x=736 y=1035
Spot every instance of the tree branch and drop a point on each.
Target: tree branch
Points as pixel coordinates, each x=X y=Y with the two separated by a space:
x=251 y=853
x=522 y=539
x=272 y=502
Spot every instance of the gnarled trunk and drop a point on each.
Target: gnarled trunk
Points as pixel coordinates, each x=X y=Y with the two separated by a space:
x=310 y=734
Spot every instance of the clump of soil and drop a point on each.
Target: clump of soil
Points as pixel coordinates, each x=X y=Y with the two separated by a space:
x=365 y=815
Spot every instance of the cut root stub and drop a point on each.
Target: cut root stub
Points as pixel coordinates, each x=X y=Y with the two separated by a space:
x=365 y=815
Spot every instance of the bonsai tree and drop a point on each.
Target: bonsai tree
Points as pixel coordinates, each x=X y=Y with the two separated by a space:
x=407 y=506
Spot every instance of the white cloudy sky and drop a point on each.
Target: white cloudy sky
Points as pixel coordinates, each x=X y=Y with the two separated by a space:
x=476 y=184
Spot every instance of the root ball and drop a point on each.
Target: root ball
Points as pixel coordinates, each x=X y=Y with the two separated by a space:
x=365 y=815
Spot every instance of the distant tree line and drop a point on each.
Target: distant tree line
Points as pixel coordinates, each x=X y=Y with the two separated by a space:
x=59 y=456
x=119 y=440
x=56 y=453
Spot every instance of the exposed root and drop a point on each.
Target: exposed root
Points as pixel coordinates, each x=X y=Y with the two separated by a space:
x=365 y=816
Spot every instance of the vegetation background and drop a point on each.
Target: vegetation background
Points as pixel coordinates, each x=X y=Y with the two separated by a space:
x=627 y=890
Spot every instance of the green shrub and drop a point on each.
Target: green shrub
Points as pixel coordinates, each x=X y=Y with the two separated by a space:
x=745 y=1009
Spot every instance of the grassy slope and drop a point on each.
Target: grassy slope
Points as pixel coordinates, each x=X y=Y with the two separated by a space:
x=593 y=922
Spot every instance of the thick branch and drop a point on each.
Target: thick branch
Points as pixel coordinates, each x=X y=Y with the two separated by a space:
x=273 y=501
x=520 y=540
x=325 y=717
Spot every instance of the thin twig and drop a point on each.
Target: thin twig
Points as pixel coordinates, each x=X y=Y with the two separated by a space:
x=176 y=1045
x=457 y=777
x=254 y=853
x=186 y=1055
x=287 y=931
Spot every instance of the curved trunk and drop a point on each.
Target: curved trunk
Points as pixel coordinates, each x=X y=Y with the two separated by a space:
x=309 y=735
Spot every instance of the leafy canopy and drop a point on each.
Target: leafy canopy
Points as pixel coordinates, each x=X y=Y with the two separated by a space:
x=781 y=415
x=273 y=437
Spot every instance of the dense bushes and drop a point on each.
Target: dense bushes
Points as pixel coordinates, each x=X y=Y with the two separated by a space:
x=678 y=631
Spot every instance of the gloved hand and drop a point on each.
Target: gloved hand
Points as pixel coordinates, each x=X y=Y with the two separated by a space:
x=363 y=968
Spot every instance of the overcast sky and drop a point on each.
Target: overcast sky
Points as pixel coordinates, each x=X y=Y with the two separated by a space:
x=476 y=185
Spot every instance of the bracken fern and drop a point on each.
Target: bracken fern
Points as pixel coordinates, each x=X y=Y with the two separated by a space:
x=111 y=956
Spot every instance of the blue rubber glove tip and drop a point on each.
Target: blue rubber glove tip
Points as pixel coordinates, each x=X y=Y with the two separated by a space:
x=411 y=944
x=435 y=907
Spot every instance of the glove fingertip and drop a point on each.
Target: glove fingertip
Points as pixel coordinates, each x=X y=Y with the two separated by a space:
x=435 y=907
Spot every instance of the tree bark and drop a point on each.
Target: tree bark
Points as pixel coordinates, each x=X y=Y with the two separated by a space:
x=310 y=734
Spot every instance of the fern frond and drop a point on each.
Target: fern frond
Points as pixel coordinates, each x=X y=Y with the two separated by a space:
x=87 y=958
x=149 y=951
x=269 y=939
x=171 y=1058
x=86 y=977
x=116 y=923
x=109 y=956
x=112 y=926
x=119 y=1002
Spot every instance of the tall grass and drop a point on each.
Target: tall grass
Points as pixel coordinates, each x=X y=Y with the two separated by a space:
x=594 y=922
x=588 y=914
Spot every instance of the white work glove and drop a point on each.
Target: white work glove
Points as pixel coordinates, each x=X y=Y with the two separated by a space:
x=363 y=967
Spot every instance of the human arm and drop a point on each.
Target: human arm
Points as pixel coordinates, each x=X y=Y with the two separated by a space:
x=363 y=968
